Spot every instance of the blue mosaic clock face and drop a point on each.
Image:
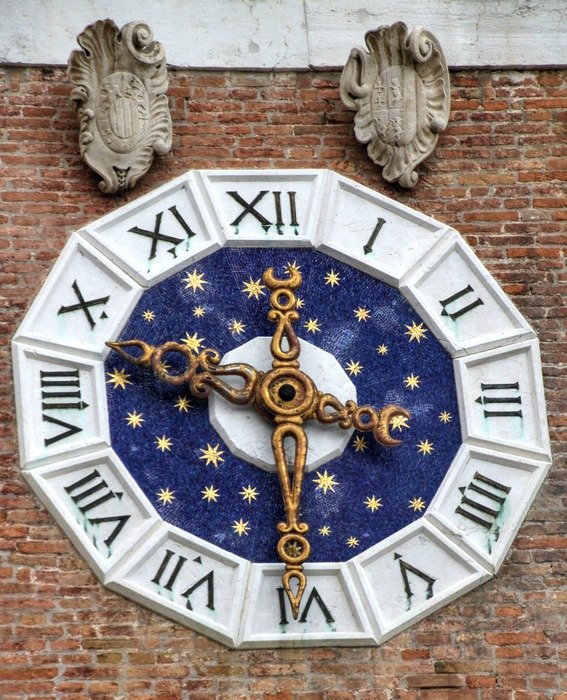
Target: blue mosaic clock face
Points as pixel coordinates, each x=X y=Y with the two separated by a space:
x=164 y=437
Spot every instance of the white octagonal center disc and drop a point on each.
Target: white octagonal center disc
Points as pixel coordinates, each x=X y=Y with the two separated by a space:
x=248 y=435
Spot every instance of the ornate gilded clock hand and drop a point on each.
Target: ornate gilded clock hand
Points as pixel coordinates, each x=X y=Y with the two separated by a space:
x=285 y=396
x=290 y=396
x=202 y=373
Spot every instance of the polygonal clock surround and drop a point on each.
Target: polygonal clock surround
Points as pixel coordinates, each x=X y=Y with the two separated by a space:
x=97 y=281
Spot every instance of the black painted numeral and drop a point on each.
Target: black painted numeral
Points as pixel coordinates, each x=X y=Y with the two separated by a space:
x=84 y=305
x=90 y=492
x=60 y=390
x=406 y=569
x=164 y=565
x=463 y=309
x=209 y=579
x=493 y=401
x=370 y=243
x=314 y=596
x=156 y=234
x=249 y=208
x=479 y=511
x=170 y=567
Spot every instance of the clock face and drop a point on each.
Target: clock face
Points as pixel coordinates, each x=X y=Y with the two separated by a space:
x=174 y=501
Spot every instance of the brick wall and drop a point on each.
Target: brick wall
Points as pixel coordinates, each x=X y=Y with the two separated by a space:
x=498 y=176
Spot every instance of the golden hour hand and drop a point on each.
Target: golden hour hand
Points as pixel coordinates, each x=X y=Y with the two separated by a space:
x=285 y=396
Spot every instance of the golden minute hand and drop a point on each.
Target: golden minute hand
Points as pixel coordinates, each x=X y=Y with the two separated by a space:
x=288 y=395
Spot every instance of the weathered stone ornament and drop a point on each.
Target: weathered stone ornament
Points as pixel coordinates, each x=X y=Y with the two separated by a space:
x=401 y=92
x=120 y=80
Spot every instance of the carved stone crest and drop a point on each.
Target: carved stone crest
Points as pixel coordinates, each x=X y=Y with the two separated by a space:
x=400 y=91
x=120 y=80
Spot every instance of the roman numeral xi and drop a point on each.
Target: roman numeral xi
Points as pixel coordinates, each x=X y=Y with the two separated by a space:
x=156 y=235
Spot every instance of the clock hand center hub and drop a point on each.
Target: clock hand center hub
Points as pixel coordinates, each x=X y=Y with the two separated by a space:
x=287 y=394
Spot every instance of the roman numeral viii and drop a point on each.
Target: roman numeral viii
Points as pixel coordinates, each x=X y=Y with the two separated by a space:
x=89 y=493
x=60 y=390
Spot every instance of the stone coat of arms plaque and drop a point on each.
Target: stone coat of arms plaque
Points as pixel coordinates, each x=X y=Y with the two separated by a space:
x=120 y=80
x=400 y=91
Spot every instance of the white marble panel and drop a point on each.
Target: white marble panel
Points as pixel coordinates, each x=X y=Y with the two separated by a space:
x=265 y=207
x=413 y=573
x=330 y=614
x=375 y=233
x=500 y=33
x=84 y=301
x=188 y=580
x=283 y=34
x=501 y=400
x=461 y=302
x=484 y=500
x=155 y=235
x=98 y=505
x=60 y=403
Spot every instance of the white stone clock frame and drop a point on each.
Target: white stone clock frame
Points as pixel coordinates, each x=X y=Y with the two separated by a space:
x=119 y=532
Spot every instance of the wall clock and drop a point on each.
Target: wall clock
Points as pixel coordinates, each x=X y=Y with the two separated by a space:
x=172 y=493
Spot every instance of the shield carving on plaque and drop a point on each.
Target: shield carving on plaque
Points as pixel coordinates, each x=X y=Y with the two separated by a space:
x=120 y=80
x=400 y=91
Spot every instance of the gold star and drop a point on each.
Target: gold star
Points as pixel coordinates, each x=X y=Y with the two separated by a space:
x=182 y=403
x=373 y=503
x=119 y=378
x=240 y=527
x=399 y=422
x=325 y=481
x=195 y=280
x=325 y=530
x=163 y=443
x=332 y=278
x=293 y=548
x=292 y=267
x=199 y=311
x=412 y=382
x=354 y=368
x=445 y=417
x=300 y=303
x=382 y=349
x=416 y=332
x=210 y=493
x=192 y=341
x=236 y=327
x=360 y=444
x=134 y=419
x=418 y=504
x=212 y=454
x=148 y=315
x=165 y=495
x=352 y=542
x=253 y=289
x=249 y=493
x=425 y=447
x=362 y=313
x=312 y=325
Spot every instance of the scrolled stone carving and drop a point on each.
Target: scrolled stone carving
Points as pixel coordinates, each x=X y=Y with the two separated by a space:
x=400 y=91
x=120 y=80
